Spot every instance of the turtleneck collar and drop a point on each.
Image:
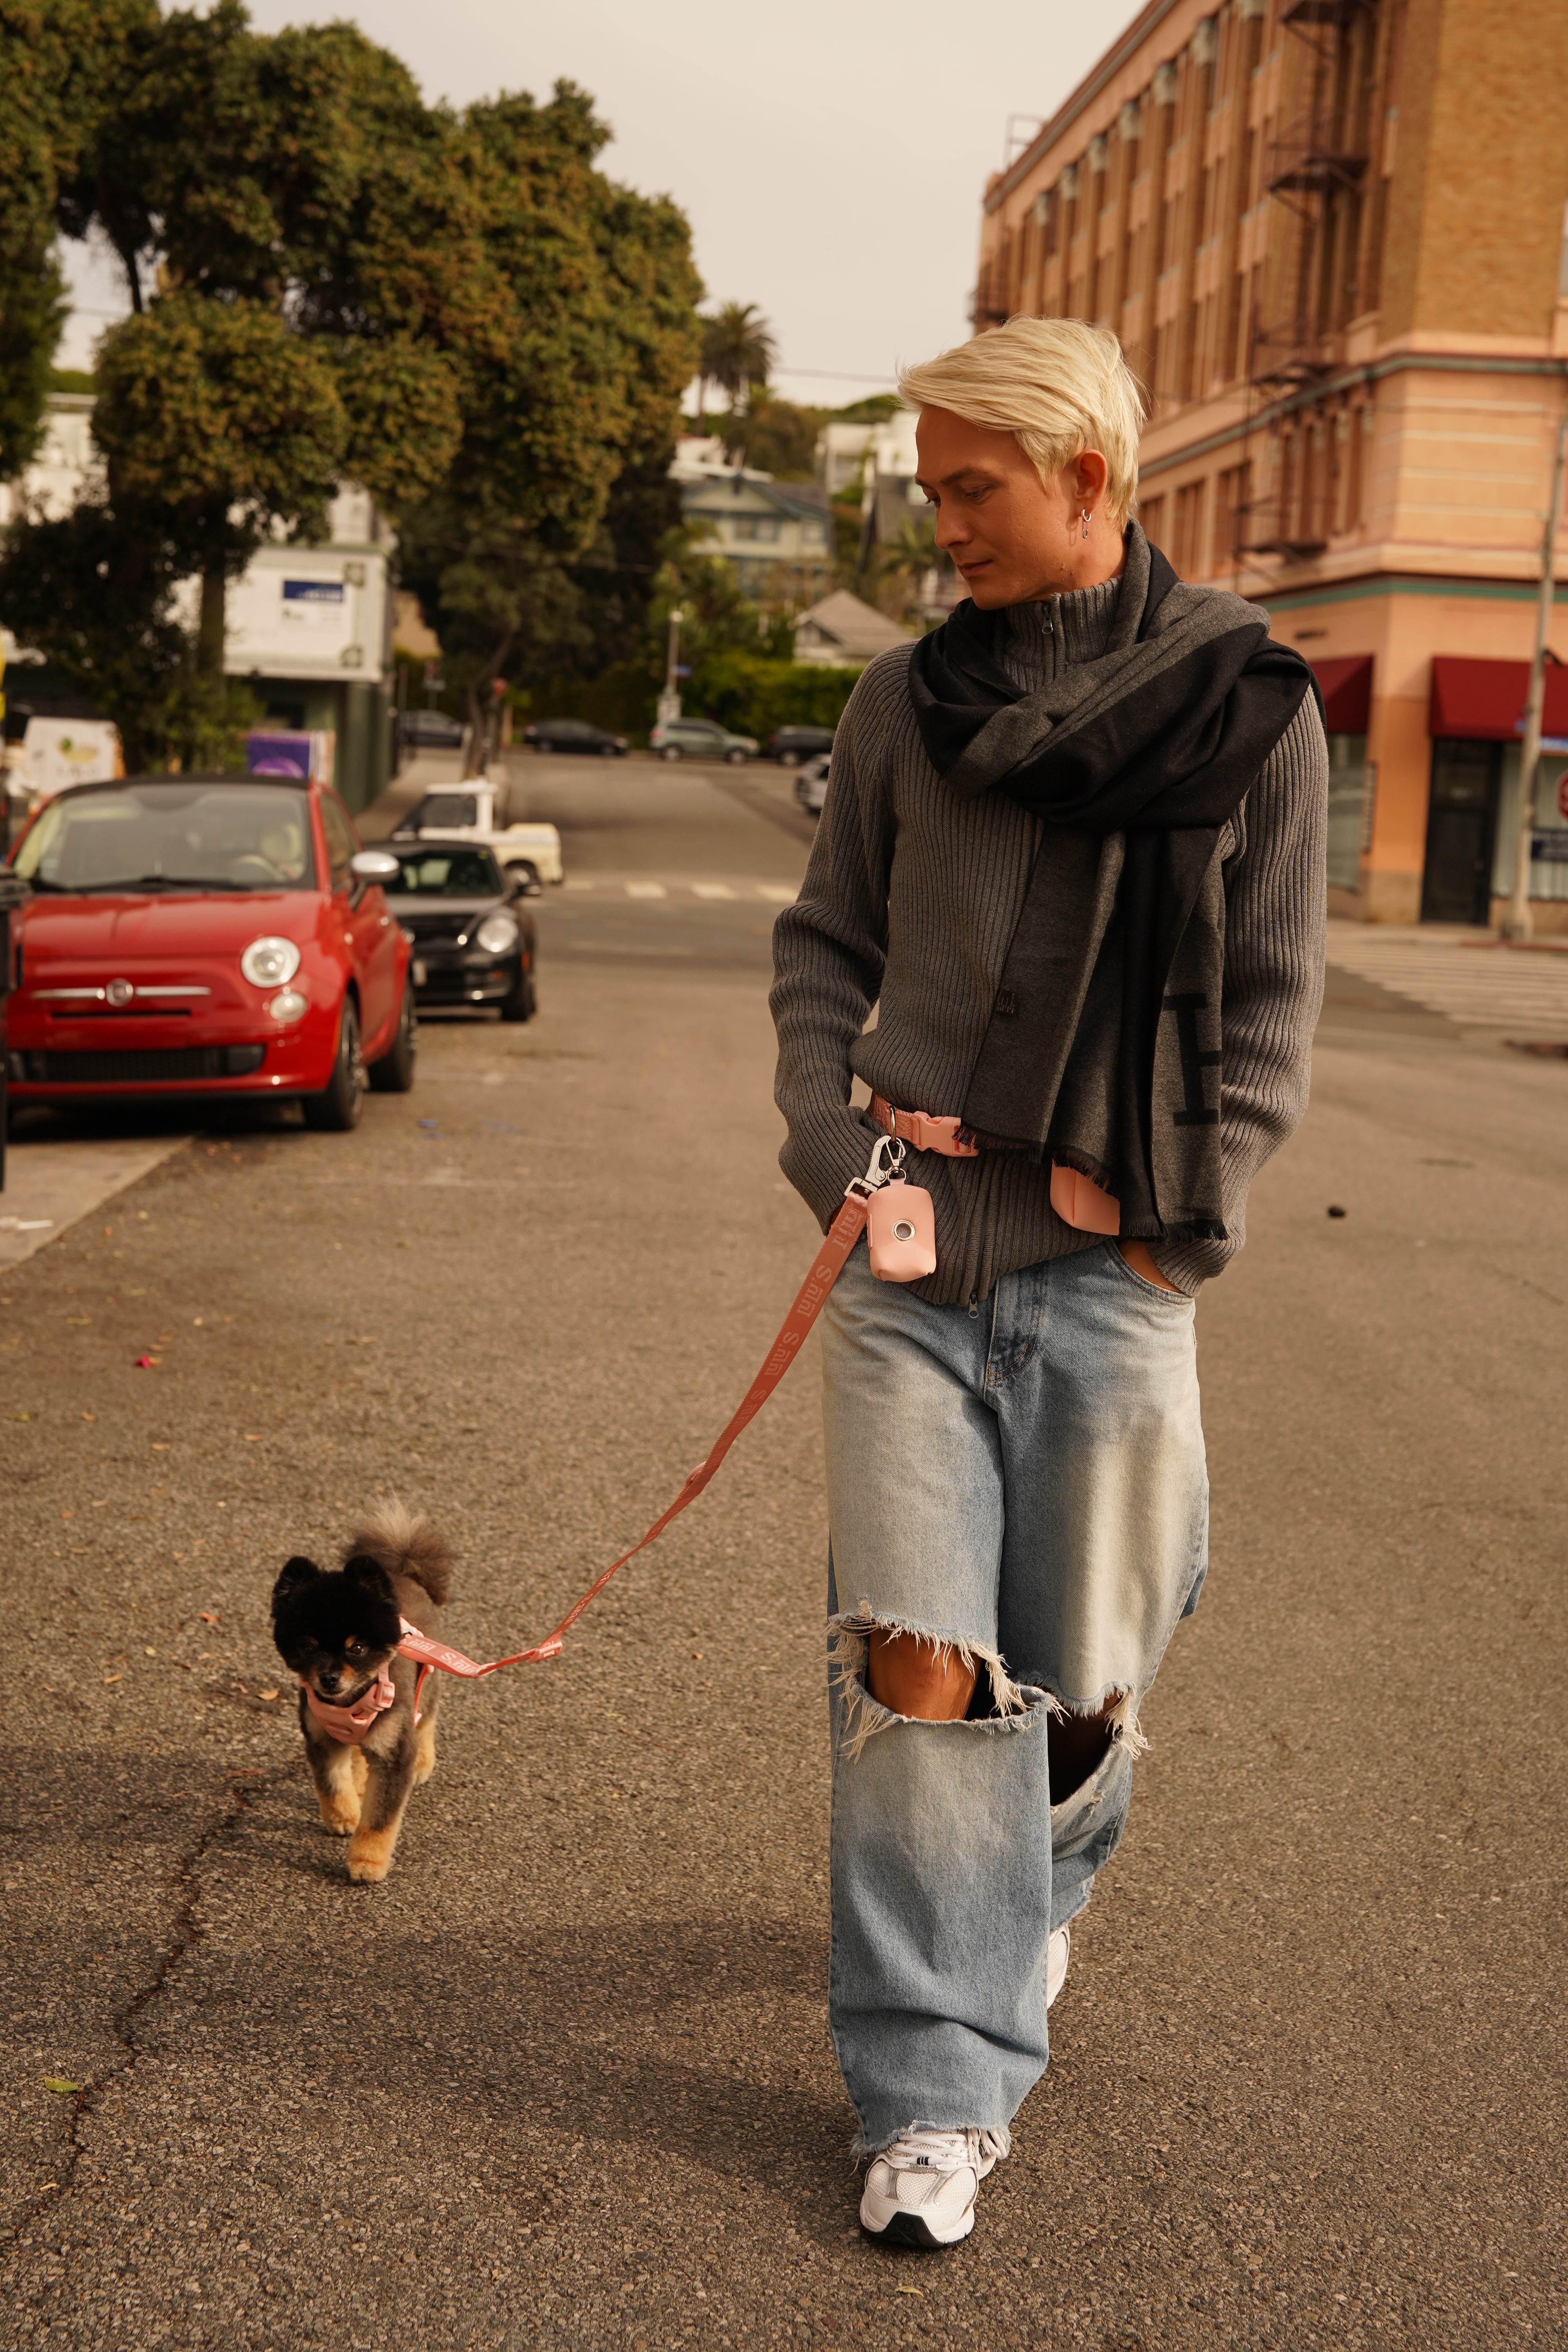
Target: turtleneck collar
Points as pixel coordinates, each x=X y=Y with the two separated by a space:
x=1036 y=640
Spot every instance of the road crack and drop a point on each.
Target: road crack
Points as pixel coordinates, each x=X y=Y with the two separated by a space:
x=186 y=1932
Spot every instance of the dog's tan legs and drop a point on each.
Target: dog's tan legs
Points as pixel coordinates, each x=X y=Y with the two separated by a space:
x=338 y=1774
x=424 y=1752
x=389 y=1780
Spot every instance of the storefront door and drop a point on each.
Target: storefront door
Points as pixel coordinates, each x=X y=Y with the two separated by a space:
x=1461 y=822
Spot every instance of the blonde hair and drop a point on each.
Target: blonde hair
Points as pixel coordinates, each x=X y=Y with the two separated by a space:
x=1059 y=385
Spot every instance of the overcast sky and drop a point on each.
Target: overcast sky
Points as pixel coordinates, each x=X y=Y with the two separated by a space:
x=830 y=154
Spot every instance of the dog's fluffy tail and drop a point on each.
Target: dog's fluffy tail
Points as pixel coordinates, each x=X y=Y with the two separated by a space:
x=397 y=1540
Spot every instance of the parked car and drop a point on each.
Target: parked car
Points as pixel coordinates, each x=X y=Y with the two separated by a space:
x=701 y=739
x=472 y=937
x=478 y=812
x=574 y=735
x=811 y=785
x=790 y=745
x=209 y=934
x=432 y=728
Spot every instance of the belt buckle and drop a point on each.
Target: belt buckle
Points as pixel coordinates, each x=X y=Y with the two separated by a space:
x=933 y=1134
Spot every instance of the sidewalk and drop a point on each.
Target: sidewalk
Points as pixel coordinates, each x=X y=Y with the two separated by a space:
x=49 y=1186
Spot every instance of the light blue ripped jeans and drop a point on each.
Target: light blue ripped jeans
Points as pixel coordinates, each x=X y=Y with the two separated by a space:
x=1026 y=1483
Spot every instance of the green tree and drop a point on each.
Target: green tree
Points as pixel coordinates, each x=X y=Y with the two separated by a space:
x=738 y=353
x=591 y=335
x=774 y=436
x=57 y=58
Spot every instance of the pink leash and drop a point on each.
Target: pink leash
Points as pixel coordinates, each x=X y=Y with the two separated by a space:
x=350 y=1723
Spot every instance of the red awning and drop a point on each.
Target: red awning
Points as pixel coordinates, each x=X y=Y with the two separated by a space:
x=1346 y=681
x=1484 y=700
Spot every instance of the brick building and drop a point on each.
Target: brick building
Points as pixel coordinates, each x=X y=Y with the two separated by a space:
x=1331 y=235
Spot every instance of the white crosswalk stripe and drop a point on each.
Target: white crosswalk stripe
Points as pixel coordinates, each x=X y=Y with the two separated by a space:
x=1478 y=985
x=709 y=890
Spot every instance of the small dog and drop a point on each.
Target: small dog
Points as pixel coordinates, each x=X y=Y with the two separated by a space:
x=339 y=1633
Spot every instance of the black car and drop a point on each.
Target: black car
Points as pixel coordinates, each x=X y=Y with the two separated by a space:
x=473 y=940
x=574 y=735
x=433 y=729
x=790 y=745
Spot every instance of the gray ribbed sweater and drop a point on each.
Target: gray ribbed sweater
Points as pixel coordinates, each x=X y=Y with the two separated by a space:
x=909 y=904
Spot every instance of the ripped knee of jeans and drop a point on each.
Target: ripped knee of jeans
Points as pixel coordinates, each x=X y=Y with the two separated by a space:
x=1114 y=1714
x=848 y=1651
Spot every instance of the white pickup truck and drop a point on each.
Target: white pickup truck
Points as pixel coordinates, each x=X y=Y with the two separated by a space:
x=477 y=810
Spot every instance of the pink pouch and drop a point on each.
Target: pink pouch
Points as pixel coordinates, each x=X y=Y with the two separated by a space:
x=900 y=1233
x=1081 y=1204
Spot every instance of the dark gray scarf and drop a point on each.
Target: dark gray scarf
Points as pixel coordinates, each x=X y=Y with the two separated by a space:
x=1106 y=1025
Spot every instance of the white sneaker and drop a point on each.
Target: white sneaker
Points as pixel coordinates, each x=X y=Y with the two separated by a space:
x=920 y=2191
x=1058 y=1953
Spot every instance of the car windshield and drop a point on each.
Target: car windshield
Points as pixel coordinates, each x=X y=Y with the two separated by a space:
x=153 y=835
x=448 y=874
x=455 y=809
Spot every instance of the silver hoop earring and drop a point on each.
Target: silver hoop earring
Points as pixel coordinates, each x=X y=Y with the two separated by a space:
x=1083 y=533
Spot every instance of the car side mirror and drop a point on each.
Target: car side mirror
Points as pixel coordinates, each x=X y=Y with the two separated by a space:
x=523 y=884
x=374 y=865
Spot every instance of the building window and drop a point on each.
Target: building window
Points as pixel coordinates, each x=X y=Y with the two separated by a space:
x=1152 y=515
x=1230 y=514
x=1186 y=537
x=1347 y=806
x=756 y=526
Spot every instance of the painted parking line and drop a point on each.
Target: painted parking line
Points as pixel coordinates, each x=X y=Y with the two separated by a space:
x=646 y=890
x=712 y=890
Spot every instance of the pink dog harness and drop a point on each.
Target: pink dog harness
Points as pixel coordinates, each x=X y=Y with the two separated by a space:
x=350 y=1723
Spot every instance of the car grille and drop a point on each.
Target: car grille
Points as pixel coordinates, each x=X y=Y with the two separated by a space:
x=133 y=1069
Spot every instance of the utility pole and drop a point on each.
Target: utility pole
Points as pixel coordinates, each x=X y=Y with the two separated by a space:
x=669 y=700
x=1516 y=923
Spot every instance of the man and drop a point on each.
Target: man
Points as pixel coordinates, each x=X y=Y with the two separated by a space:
x=1072 y=853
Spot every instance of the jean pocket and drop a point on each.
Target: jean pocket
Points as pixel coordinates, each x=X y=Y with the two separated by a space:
x=1177 y=1299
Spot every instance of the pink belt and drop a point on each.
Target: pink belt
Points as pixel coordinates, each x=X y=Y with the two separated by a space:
x=1077 y=1200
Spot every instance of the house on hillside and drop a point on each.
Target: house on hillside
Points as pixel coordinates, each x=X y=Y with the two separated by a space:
x=841 y=454
x=777 y=535
x=308 y=627
x=844 y=631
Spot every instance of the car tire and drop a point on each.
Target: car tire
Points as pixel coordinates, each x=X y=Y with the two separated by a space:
x=669 y=752
x=394 y=1073
x=607 y=751
x=735 y=759
x=521 y=1004
x=337 y=1107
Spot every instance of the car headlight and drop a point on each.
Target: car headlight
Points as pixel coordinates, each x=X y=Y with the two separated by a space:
x=289 y=1005
x=496 y=934
x=270 y=962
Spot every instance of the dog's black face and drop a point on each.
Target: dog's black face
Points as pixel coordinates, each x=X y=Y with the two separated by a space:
x=338 y=1630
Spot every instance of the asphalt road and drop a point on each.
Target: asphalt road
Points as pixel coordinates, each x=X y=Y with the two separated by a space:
x=564 y=2078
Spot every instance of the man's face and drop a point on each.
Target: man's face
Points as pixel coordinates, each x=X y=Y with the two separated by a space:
x=1010 y=535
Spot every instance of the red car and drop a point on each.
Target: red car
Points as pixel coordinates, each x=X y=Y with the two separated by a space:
x=207 y=935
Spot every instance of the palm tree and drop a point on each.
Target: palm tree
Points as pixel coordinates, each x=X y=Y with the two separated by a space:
x=903 y=566
x=738 y=350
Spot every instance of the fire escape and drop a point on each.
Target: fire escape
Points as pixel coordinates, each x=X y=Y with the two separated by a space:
x=1313 y=159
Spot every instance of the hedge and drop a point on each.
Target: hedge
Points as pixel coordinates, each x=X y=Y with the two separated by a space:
x=746 y=692
x=752 y=695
